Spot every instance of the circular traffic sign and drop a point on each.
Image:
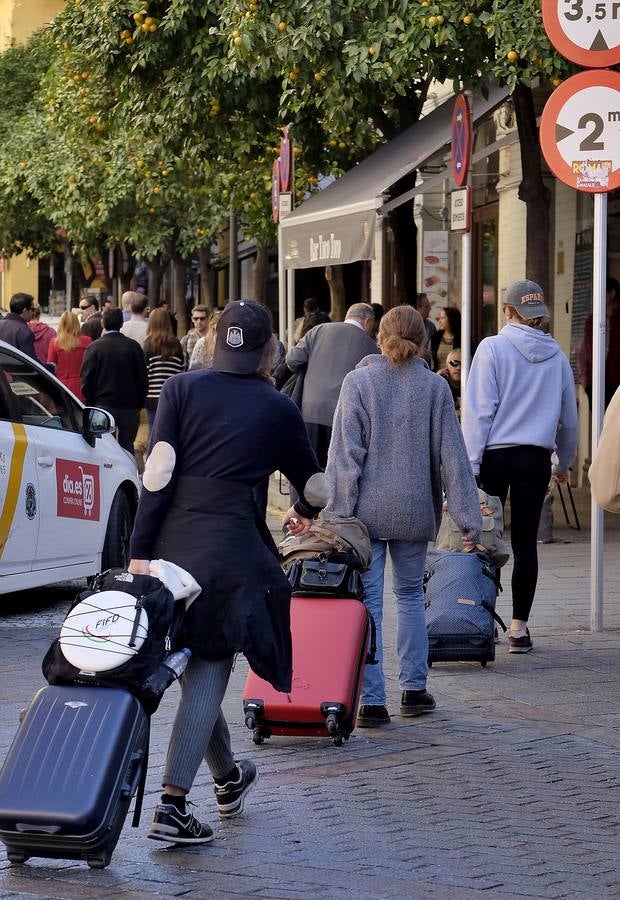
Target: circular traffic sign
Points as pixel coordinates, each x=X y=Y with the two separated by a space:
x=580 y=131
x=275 y=190
x=461 y=139
x=286 y=159
x=584 y=31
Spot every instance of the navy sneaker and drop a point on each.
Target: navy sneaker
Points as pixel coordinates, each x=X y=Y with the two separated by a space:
x=372 y=716
x=170 y=824
x=415 y=703
x=231 y=796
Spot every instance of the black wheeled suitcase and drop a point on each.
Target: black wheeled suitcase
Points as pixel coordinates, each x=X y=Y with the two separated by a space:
x=75 y=763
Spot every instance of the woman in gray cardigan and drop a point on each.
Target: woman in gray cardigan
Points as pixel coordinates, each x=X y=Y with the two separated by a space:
x=396 y=443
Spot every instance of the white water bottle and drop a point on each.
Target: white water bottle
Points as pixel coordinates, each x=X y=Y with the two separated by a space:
x=172 y=668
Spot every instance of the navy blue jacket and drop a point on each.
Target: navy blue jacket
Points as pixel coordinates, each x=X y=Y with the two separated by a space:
x=15 y=331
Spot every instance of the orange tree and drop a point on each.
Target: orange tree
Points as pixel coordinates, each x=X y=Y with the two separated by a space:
x=353 y=62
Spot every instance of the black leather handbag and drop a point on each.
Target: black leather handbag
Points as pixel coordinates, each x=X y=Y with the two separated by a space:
x=329 y=575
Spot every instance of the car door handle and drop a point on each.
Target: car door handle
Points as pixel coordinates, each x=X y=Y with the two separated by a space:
x=45 y=461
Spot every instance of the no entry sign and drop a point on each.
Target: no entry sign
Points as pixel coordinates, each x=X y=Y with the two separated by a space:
x=584 y=31
x=286 y=160
x=461 y=140
x=580 y=131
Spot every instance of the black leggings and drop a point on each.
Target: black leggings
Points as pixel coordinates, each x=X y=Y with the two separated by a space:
x=526 y=472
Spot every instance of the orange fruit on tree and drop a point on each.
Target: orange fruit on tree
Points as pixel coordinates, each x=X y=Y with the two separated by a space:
x=512 y=55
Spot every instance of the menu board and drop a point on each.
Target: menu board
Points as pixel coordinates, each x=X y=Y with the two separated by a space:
x=435 y=269
x=582 y=293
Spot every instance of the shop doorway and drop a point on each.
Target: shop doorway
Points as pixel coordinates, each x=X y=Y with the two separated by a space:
x=484 y=293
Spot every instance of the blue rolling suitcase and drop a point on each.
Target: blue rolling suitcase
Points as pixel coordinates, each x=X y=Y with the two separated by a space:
x=78 y=757
x=460 y=593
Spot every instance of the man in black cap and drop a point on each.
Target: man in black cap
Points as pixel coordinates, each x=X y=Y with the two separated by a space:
x=218 y=432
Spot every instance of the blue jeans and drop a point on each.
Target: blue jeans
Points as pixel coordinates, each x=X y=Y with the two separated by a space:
x=408 y=559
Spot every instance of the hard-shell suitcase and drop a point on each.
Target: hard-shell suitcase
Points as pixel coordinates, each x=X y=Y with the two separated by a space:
x=461 y=589
x=74 y=765
x=330 y=644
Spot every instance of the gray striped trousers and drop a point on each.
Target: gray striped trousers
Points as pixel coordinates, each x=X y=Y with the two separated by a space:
x=200 y=730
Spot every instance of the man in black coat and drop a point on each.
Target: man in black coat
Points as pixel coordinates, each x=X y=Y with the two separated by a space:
x=330 y=351
x=14 y=327
x=114 y=377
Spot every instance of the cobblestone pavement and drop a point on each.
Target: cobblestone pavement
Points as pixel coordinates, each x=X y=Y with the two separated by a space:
x=510 y=789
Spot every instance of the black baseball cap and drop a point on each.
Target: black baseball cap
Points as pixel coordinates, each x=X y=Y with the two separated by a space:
x=242 y=331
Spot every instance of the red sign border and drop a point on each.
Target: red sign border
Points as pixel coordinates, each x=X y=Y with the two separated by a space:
x=460 y=103
x=591 y=59
x=275 y=190
x=551 y=111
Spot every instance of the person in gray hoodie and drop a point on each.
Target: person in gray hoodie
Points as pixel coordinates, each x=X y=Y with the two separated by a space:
x=396 y=443
x=519 y=407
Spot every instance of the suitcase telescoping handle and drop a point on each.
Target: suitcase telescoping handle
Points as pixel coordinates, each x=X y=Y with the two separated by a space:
x=371 y=656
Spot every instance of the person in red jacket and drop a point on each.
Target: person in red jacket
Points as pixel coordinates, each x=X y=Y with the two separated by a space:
x=612 y=348
x=66 y=351
x=43 y=334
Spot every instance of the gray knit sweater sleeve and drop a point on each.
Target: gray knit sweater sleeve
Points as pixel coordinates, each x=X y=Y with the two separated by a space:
x=347 y=448
x=457 y=476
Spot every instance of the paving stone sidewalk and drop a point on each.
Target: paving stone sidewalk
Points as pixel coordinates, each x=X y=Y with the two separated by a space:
x=510 y=789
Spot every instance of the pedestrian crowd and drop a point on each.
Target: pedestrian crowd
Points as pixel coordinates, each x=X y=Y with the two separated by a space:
x=373 y=433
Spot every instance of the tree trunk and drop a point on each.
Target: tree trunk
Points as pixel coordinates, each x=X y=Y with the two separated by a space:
x=127 y=265
x=532 y=190
x=259 y=274
x=405 y=244
x=338 y=299
x=179 y=300
x=204 y=262
x=156 y=269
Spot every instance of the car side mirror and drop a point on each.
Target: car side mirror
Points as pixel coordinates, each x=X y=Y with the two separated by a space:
x=95 y=423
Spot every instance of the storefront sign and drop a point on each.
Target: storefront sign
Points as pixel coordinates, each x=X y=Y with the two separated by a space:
x=584 y=31
x=460 y=210
x=286 y=204
x=579 y=132
x=435 y=268
x=337 y=240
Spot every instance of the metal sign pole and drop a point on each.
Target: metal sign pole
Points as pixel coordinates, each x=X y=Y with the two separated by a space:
x=281 y=289
x=599 y=326
x=466 y=304
x=290 y=291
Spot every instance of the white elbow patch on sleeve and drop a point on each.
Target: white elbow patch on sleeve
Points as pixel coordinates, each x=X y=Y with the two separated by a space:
x=159 y=467
x=316 y=490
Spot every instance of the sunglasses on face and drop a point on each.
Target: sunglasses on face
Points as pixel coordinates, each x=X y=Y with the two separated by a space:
x=199 y=318
x=84 y=307
x=455 y=363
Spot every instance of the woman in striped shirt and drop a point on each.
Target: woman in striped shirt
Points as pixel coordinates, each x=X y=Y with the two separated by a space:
x=164 y=358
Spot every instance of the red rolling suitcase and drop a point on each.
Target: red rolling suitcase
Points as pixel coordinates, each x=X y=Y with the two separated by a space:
x=331 y=639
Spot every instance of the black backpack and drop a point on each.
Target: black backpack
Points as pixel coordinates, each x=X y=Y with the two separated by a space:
x=164 y=619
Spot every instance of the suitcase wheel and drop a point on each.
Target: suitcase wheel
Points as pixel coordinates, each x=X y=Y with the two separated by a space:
x=483 y=663
x=259 y=735
x=17 y=857
x=331 y=723
x=250 y=721
x=99 y=862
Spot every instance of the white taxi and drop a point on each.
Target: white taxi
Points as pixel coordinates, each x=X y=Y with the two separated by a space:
x=68 y=491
